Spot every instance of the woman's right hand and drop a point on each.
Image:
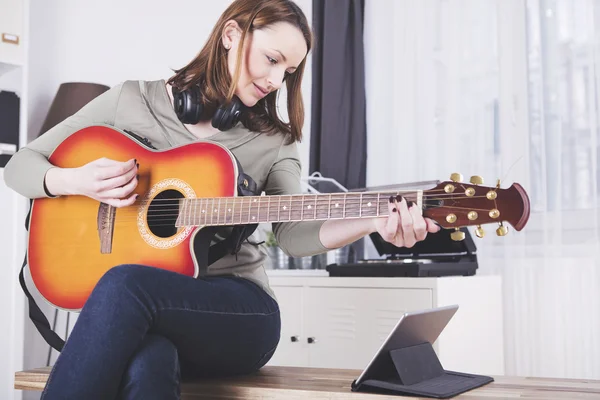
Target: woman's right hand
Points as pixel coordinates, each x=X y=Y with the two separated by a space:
x=105 y=180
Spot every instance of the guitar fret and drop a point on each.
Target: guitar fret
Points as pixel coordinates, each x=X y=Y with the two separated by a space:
x=319 y=210
x=269 y=209
x=197 y=218
x=255 y=212
x=192 y=211
x=223 y=212
x=360 y=207
x=242 y=209
x=279 y=209
x=232 y=210
x=261 y=200
x=295 y=208
x=250 y=208
x=228 y=214
x=219 y=213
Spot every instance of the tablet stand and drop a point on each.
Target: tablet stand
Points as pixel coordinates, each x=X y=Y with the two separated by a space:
x=416 y=370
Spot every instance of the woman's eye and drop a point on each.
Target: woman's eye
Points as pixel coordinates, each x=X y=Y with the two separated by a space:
x=272 y=60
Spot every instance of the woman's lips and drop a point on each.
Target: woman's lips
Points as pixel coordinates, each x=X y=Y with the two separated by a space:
x=261 y=92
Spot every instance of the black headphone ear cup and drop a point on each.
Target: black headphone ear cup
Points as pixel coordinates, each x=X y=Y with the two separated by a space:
x=187 y=105
x=227 y=116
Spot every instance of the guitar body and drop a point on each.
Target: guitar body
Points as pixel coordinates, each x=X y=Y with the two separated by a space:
x=64 y=244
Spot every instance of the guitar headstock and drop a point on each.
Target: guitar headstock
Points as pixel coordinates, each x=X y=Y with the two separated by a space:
x=454 y=204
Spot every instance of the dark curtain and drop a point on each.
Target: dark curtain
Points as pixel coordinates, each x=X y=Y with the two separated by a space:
x=338 y=129
x=338 y=136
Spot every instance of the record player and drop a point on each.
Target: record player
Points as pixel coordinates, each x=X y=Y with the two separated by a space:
x=438 y=255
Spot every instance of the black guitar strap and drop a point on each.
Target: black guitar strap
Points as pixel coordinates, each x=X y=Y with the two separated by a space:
x=206 y=254
x=35 y=314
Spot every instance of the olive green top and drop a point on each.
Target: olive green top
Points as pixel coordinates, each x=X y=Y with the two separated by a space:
x=144 y=107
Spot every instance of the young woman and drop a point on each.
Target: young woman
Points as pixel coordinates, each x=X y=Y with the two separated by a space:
x=143 y=327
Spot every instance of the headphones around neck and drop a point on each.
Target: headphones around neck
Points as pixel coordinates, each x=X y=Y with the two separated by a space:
x=189 y=108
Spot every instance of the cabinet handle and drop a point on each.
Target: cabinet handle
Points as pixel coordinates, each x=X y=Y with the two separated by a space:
x=10 y=38
x=311 y=340
x=294 y=338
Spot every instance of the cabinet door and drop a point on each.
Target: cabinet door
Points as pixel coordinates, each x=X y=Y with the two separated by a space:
x=344 y=327
x=292 y=349
x=11 y=28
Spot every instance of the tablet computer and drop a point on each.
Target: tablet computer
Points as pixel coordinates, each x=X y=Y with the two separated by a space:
x=413 y=328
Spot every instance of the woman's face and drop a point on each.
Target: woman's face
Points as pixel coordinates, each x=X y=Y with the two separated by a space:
x=269 y=55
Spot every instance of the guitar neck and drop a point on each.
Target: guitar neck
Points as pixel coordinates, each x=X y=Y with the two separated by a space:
x=285 y=208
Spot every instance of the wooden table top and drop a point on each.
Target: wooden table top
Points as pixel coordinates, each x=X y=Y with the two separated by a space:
x=293 y=383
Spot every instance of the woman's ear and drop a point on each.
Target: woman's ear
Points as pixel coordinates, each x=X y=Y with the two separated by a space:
x=231 y=35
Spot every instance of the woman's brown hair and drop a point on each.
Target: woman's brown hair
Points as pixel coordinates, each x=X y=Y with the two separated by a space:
x=209 y=68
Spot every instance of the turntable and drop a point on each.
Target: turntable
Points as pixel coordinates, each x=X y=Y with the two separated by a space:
x=438 y=255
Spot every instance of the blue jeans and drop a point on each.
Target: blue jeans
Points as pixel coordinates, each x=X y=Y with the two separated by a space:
x=144 y=329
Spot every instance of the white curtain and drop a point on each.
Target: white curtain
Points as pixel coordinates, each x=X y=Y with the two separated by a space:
x=505 y=89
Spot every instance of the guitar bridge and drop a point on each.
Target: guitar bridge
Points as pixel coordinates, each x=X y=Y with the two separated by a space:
x=106 y=227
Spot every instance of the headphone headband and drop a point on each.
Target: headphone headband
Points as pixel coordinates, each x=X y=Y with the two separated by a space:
x=189 y=108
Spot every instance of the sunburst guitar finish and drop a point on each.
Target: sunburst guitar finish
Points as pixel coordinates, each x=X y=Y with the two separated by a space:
x=64 y=251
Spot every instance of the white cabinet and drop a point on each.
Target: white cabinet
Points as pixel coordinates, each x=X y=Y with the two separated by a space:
x=12 y=24
x=348 y=324
x=291 y=351
x=341 y=322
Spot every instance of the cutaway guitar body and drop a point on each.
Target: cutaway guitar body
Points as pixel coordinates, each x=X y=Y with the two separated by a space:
x=74 y=240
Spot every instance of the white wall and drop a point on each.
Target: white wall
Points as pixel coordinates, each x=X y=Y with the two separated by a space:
x=111 y=41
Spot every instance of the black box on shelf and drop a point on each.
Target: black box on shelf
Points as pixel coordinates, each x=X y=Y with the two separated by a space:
x=10 y=106
x=438 y=255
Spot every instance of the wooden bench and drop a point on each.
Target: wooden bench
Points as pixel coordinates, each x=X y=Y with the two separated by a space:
x=293 y=383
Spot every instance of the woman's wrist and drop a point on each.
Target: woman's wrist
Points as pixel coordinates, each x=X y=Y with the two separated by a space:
x=58 y=181
x=337 y=233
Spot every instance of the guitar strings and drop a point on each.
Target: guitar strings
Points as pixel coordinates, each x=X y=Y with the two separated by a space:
x=198 y=220
x=190 y=211
x=337 y=196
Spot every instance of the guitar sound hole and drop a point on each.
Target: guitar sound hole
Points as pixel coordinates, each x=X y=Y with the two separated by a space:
x=162 y=213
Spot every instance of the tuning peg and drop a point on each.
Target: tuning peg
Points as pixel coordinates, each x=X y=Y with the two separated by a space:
x=476 y=180
x=456 y=177
x=457 y=235
x=502 y=230
x=479 y=232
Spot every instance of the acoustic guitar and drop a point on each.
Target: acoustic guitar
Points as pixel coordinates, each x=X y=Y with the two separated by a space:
x=74 y=240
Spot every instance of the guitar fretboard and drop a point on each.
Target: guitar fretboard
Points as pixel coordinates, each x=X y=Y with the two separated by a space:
x=267 y=209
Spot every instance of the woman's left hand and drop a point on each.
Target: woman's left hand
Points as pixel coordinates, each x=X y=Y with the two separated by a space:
x=405 y=224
